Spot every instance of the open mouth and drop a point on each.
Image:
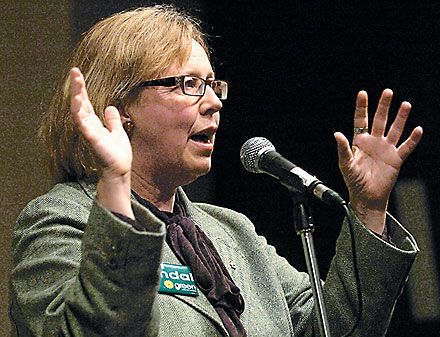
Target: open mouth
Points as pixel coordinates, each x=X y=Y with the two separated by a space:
x=201 y=138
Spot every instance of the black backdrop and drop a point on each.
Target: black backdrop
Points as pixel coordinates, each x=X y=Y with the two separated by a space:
x=294 y=70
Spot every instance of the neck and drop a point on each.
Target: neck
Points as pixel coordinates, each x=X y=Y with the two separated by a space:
x=159 y=195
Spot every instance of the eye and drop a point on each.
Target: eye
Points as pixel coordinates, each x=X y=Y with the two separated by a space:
x=216 y=85
x=192 y=83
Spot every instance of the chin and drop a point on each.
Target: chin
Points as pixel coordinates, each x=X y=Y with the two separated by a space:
x=202 y=171
x=196 y=172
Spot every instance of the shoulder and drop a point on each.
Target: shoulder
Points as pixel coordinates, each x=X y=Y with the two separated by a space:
x=208 y=213
x=225 y=226
x=71 y=199
x=71 y=192
x=222 y=213
x=61 y=212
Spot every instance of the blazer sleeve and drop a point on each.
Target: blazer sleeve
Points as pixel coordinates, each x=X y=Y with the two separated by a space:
x=381 y=269
x=78 y=270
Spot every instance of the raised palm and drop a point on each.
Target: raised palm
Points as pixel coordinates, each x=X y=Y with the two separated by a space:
x=111 y=143
x=371 y=166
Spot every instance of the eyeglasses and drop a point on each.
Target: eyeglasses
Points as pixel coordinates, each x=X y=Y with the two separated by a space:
x=191 y=85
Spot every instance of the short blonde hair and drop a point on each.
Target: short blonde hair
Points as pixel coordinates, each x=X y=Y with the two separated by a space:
x=114 y=56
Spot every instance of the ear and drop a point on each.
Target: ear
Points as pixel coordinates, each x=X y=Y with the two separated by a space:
x=125 y=117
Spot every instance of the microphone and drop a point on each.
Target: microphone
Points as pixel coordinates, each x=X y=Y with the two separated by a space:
x=258 y=155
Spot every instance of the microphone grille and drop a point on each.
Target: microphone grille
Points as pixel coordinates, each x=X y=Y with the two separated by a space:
x=251 y=152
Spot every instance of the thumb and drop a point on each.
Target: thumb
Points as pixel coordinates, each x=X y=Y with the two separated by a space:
x=344 y=151
x=112 y=118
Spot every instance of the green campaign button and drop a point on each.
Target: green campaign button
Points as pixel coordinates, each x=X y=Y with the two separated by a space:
x=176 y=279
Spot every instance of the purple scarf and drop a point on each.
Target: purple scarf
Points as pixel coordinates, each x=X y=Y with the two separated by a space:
x=195 y=249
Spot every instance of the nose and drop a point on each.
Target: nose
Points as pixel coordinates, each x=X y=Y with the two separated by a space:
x=211 y=103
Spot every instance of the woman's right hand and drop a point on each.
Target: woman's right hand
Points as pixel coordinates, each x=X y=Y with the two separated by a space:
x=111 y=146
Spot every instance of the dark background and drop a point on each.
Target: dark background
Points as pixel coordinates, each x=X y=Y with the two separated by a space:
x=294 y=69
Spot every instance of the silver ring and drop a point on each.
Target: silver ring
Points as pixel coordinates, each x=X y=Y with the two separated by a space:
x=360 y=130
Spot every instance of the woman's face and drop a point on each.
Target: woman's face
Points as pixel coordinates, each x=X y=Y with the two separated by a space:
x=173 y=137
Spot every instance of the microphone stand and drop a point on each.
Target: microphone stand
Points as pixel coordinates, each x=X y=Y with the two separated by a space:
x=304 y=227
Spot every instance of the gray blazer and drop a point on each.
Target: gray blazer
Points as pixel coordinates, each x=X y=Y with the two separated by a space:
x=78 y=270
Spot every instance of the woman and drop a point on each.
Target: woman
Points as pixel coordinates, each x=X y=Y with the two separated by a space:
x=116 y=248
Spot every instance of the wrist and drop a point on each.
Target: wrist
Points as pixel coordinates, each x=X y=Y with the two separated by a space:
x=374 y=218
x=114 y=193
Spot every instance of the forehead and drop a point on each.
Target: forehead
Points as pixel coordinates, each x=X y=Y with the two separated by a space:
x=198 y=63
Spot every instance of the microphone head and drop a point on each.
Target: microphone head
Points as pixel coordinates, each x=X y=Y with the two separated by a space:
x=251 y=152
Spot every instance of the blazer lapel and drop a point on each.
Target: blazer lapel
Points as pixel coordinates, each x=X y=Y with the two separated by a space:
x=199 y=303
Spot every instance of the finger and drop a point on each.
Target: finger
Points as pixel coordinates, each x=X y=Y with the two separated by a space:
x=344 y=151
x=113 y=119
x=410 y=144
x=361 y=111
x=84 y=118
x=381 y=116
x=398 y=125
x=76 y=84
x=80 y=105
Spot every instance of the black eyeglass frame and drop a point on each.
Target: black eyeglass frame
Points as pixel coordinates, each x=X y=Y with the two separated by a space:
x=180 y=81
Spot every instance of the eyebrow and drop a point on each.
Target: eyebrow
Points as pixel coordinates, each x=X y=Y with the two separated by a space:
x=211 y=75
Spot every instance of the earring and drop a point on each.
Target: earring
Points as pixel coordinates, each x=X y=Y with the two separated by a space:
x=128 y=127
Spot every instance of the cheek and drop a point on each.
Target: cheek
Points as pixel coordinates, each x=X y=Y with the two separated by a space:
x=162 y=116
x=181 y=118
x=169 y=133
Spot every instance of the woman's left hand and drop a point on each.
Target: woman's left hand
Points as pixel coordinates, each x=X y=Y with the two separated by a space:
x=371 y=166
